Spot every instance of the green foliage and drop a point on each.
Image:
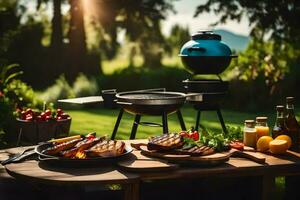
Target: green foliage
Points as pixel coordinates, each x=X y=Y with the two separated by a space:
x=274 y=18
x=21 y=95
x=84 y=86
x=220 y=141
x=143 y=78
x=59 y=90
x=178 y=36
x=264 y=59
x=18 y=93
x=14 y=94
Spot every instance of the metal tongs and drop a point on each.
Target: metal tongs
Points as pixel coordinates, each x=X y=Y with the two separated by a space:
x=20 y=156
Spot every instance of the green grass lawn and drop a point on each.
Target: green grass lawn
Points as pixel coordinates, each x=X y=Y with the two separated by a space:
x=102 y=121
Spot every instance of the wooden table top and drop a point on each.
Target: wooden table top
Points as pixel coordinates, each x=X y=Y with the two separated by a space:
x=33 y=170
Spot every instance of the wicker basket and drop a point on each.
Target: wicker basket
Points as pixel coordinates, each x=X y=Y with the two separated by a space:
x=34 y=132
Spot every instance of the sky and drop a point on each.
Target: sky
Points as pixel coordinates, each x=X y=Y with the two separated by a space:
x=184 y=16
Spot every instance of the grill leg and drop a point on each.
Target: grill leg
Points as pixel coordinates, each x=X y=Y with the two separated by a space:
x=135 y=126
x=180 y=119
x=197 y=120
x=113 y=135
x=222 y=121
x=165 y=122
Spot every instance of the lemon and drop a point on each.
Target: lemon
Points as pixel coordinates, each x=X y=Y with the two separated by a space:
x=263 y=143
x=286 y=138
x=278 y=146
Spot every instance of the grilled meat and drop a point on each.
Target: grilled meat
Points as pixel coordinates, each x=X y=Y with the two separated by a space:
x=61 y=147
x=201 y=150
x=165 y=142
x=106 y=148
x=80 y=146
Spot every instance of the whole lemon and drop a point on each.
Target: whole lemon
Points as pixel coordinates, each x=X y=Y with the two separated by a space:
x=278 y=146
x=263 y=143
x=286 y=138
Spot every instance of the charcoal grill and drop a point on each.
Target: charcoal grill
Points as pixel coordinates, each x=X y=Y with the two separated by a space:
x=154 y=103
x=206 y=54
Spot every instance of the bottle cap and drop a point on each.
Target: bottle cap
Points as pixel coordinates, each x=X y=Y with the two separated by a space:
x=280 y=108
x=250 y=123
x=261 y=119
x=290 y=100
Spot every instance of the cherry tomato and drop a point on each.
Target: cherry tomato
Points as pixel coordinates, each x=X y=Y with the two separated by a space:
x=59 y=111
x=48 y=112
x=48 y=117
x=64 y=115
x=23 y=115
x=237 y=145
x=184 y=134
x=29 y=117
x=59 y=118
x=29 y=111
x=196 y=135
x=39 y=118
x=43 y=115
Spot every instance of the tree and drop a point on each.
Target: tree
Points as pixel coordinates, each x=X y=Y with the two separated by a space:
x=275 y=18
x=178 y=36
x=141 y=21
x=77 y=40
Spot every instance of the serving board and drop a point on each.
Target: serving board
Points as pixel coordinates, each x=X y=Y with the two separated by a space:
x=209 y=160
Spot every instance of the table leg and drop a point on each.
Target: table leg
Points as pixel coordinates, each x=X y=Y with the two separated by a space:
x=131 y=191
x=268 y=187
x=292 y=187
x=113 y=135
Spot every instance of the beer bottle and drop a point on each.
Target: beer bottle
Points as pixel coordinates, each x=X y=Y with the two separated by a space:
x=279 y=127
x=292 y=125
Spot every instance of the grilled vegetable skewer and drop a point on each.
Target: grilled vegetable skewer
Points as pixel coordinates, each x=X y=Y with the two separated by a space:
x=61 y=147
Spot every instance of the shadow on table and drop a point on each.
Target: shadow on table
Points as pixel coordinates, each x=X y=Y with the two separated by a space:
x=78 y=171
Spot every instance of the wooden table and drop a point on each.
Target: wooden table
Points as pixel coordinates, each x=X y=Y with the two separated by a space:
x=31 y=170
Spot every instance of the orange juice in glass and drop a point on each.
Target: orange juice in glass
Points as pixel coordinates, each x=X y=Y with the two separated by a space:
x=261 y=126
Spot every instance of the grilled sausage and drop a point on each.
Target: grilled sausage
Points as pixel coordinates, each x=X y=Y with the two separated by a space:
x=61 y=147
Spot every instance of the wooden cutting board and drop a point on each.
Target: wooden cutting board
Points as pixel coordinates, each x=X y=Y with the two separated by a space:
x=137 y=162
x=209 y=160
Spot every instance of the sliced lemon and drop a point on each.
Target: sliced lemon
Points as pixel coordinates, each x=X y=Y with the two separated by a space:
x=278 y=146
x=263 y=143
x=286 y=138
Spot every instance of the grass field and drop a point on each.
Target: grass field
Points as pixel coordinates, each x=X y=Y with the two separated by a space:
x=102 y=121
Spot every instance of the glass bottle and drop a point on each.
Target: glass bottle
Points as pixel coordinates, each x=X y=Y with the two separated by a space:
x=293 y=128
x=262 y=128
x=279 y=127
x=249 y=133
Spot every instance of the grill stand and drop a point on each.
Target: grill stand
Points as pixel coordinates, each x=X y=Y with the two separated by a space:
x=137 y=122
x=216 y=108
